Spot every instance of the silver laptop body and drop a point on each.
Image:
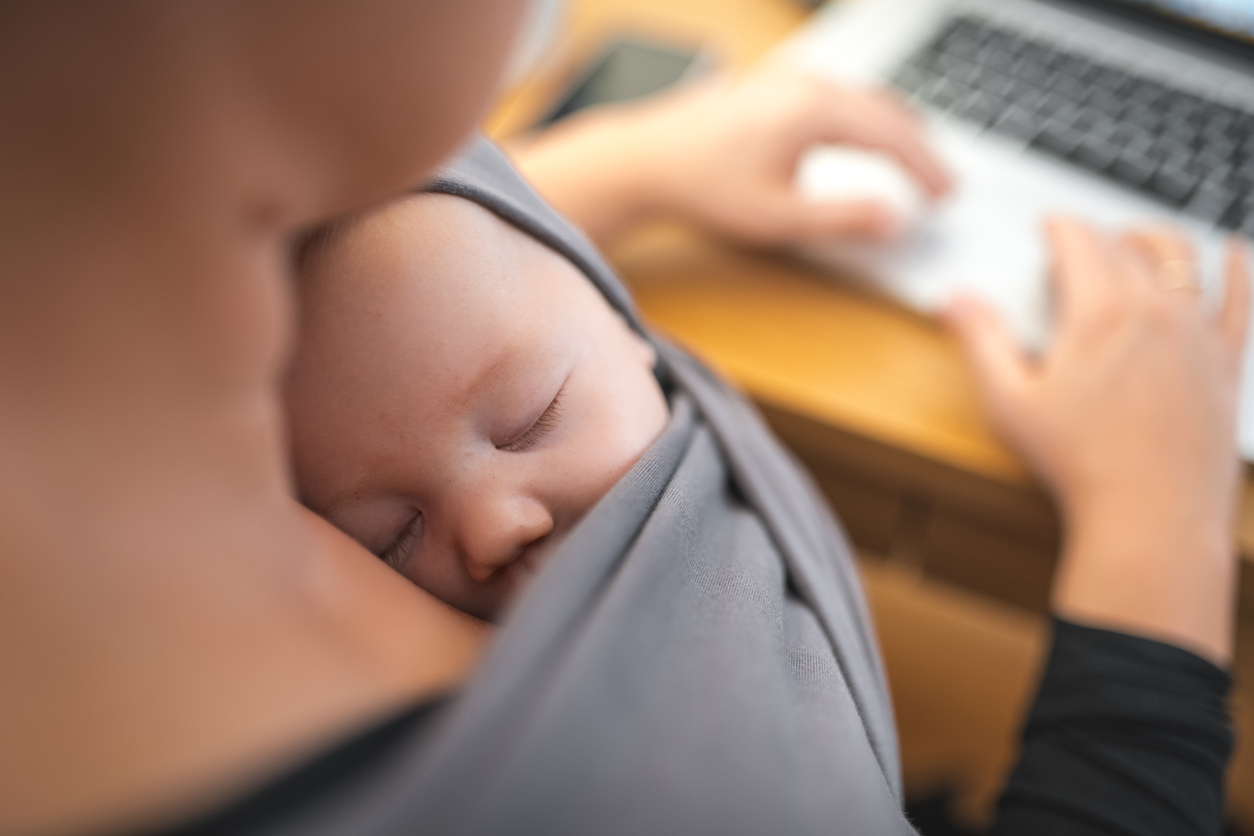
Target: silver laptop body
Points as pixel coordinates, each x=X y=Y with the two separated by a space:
x=1112 y=110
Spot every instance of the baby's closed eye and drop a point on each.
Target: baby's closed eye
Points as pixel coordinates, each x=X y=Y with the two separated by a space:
x=402 y=547
x=539 y=429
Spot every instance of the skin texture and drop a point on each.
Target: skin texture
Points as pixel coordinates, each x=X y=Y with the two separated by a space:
x=1131 y=421
x=173 y=627
x=424 y=403
x=722 y=152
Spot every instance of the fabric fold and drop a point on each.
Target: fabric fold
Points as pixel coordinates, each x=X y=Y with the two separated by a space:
x=695 y=658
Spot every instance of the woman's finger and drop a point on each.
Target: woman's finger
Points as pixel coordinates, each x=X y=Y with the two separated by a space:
x=916 y=153
x=1000 y=366
x=1134 y=268
x=1234 y=316
x=873 y=120
x=1082 y=272
x=1168 y=259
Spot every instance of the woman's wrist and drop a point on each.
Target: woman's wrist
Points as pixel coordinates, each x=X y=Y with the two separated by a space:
x=1166 y=574
x=600 y=168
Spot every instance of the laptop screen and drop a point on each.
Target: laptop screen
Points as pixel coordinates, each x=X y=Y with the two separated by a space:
x=1234 y=18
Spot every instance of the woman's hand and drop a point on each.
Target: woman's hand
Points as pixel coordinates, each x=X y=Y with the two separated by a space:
x=1130 y=420
x=723 y=152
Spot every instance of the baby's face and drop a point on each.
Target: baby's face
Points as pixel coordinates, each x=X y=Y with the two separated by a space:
x=461 y=397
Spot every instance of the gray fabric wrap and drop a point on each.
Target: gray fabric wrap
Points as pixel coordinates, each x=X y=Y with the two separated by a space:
x=696 y=658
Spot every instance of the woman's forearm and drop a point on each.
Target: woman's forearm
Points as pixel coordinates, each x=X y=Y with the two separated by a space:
x=722 y=153
x=595 y=167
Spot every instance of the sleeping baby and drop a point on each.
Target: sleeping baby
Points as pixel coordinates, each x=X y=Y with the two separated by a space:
x=462 y=395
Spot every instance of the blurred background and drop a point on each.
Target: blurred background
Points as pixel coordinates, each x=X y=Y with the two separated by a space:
x=957 y=541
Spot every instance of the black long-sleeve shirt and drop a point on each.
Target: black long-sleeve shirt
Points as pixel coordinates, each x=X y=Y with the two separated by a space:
x=1127 y=736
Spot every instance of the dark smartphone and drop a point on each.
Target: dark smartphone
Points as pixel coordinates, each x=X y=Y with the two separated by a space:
x=624 y=70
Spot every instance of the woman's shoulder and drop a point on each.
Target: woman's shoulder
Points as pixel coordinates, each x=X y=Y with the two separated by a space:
x=229 y=672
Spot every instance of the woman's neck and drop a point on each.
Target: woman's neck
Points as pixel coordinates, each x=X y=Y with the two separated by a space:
x=172 y=625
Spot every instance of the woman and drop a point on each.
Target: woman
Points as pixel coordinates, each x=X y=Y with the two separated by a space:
x=158 y=159
x=190 y=632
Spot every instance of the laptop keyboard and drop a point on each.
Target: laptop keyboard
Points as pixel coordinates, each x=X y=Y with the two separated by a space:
x=1189 y=152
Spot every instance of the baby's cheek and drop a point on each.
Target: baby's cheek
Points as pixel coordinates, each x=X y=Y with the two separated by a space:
x=635 y=414
x=440 y=573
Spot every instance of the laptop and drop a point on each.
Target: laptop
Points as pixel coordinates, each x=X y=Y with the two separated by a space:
x=1119 y=111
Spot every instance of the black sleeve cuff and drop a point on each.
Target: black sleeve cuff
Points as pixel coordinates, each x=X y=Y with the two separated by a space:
x=1127 y=736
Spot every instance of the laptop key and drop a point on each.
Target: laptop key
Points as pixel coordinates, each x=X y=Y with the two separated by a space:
x=1070 y=88
x=1082 y=68
x=1237 y=215
x=1169 y=149
x=1107 y=102
x=1147 y=92
x=1101 y=125
x=1217 y=147
x=966 y=75
x=1131 y=137
x=1175 y=106
x=996 y=59
x=1034 y=74
x=1242 y=127
x=997 y=86
x=1181 y=133
x=1241 y=181
x=1141 y=114
x=1058 y=138
x=1214 y=168
x=1219 y=119
x=979 y=108
x=1056 y=109
x=1109 y=79
x=1211 y=201
x=1133 y=168
x=1018 y=122
x=963 y=47
x=1173 y=185
x=940 y=93
x=1095 y=153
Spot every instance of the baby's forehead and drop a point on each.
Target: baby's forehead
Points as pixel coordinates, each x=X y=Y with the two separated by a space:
x=431 y=256
x=433 y=238
x=414 y=228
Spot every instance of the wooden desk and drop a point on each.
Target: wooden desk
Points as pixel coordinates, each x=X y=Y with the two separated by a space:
x=879 y=405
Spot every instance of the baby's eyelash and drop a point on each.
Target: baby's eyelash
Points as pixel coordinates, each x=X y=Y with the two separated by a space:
x=543 y=425
x=396 y=554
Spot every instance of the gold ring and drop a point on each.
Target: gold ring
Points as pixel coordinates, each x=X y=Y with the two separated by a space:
x=1178 y=274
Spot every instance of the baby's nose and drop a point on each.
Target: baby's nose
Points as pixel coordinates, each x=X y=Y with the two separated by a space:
x=498 y=534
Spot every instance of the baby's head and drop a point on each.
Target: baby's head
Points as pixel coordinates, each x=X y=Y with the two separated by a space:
x=462 y=395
